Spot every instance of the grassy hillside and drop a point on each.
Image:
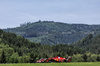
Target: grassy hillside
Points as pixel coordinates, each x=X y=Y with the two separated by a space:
x=49 y=32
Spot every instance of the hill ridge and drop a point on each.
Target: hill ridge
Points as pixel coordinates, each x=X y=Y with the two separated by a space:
x=50 y=32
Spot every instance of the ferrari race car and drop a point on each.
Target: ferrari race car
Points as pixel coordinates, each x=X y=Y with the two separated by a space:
x=54 y=59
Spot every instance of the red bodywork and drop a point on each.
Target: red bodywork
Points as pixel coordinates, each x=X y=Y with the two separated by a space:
x=55 y=59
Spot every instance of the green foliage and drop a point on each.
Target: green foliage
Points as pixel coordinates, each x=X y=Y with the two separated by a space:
x=3 y=57
x=77 y=58
x=86 y=57
x=17 y=49
x=93 y=58
x=90 y=43
x=33 y=57
x=14 y=58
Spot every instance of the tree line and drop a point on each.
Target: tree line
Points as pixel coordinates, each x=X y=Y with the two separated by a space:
x=16 y=49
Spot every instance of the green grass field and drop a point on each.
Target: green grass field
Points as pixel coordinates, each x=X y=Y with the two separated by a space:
x=55 y=64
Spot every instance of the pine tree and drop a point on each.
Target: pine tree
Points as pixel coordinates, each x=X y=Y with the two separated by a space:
x=3 y=57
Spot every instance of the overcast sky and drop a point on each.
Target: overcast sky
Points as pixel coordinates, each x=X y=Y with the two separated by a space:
x=16 y=12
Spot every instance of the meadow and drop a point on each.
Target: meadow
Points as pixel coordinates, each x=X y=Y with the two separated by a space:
x=55 y=64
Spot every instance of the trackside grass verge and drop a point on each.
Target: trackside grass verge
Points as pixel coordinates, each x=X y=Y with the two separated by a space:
x=55 y=64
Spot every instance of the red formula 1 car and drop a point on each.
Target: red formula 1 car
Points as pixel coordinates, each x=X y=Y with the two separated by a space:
x=54 y=59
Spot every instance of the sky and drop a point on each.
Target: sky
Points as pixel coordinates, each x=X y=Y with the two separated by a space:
x=16 y=12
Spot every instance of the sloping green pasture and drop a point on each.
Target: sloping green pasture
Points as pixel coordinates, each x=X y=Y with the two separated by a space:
x=55 y=64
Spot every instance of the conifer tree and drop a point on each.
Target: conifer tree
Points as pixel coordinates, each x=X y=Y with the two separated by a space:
x=3 y=57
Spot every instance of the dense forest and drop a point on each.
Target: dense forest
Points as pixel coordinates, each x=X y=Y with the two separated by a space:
x=50 y=32
x=15 y=48
x=89 y=43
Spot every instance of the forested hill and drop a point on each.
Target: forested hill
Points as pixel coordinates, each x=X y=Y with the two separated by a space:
x=89 y=43
x=17 y=49
x=49 y=32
